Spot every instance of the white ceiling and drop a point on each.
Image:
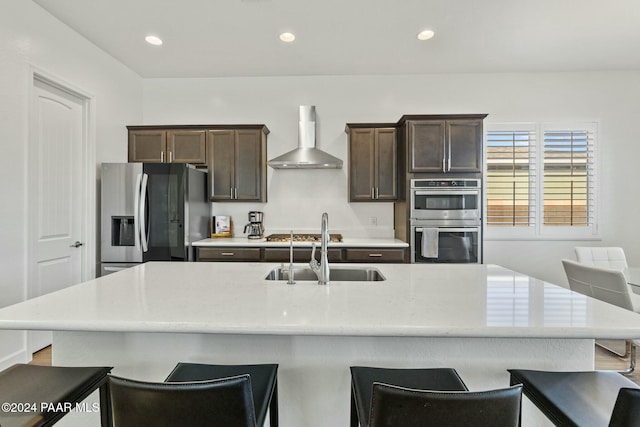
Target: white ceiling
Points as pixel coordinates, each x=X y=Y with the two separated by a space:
x=210 y=38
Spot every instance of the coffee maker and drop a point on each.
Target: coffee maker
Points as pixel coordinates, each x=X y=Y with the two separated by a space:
x=255 y=227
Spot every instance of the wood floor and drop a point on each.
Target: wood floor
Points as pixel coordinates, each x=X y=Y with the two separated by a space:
x=604 y=360
x=42 y=357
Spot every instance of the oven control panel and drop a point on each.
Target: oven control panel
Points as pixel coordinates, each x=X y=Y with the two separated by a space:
x=445 y=183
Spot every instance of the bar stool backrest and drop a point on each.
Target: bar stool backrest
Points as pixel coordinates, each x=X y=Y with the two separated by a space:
x=224 y=402
x=626 y=412
x=394 y=406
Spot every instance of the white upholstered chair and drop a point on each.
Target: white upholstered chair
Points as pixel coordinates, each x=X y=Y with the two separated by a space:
x=608 y=257
x=606 y=284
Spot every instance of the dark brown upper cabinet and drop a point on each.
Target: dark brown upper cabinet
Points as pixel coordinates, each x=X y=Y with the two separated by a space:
x=187 y=146
x=162 y=145
x=147 y=145
x=372 y=162
x=237 y=160
x=443 y=143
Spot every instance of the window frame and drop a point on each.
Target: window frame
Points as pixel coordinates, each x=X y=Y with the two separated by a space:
x=539 y=231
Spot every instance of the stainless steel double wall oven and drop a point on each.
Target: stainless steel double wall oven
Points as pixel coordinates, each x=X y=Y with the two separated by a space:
x=445 y=220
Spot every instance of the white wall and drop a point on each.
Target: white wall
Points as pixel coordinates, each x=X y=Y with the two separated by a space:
x=30 y=37
x=297 y=198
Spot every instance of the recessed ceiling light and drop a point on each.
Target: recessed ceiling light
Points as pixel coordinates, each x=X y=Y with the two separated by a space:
x=425 y=35
x=156 y=41
x=287 y=37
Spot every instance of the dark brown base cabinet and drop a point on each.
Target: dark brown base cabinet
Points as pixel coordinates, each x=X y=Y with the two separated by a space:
x=374 y=255
x=372 y=162
x=300 y=255
x=229 y=254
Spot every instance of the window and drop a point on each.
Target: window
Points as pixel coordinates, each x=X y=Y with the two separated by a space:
x=545 y=189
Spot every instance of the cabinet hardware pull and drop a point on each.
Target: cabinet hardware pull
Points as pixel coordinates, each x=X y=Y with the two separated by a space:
x=375 y=255
x=372 y=193
x=162 y=157
x=444 y=163
x=377 y=193
x=227 y=253
x=170 y=156
x=449 y=168
x=236 y=193
x=231 y=192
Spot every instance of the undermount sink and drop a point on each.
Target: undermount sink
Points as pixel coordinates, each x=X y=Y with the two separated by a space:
x=337 y=274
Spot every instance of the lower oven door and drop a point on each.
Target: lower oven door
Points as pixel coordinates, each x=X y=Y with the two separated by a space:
x=446 y=244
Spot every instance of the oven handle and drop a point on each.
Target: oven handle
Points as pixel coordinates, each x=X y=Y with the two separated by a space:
x=450 y=229
x=446 y=192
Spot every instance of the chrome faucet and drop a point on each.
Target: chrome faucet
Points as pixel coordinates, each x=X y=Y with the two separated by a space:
x=321 y=268
x=291 y=280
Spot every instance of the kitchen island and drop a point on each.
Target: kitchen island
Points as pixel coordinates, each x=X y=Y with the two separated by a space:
x=478 y=319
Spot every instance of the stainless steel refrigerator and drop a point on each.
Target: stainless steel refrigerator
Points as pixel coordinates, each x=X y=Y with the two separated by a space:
x=151 y=212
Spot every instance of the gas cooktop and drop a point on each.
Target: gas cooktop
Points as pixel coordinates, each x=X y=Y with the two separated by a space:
x=302 y=237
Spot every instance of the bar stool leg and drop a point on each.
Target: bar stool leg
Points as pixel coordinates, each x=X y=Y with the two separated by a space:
x=354 y=411
x=273 y=407
x=105 y=406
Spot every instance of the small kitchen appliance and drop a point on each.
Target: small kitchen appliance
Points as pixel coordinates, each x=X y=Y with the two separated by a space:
x=254 y=228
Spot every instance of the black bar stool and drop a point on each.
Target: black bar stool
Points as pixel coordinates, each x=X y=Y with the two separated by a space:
x=391 y=386
x=592 y=398
x=264 y=383
x=52 y=391
x=393 y=406
x=223 y=402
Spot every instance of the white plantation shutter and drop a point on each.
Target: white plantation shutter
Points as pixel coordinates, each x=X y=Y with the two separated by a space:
x=569 y=178
x=540 y=190
x=510 y=183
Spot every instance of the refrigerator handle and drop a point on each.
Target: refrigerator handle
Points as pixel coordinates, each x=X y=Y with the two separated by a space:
x=136 y=213
x=144 y=239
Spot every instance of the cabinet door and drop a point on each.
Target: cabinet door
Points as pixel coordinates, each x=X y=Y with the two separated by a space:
x=426 y=146
x=386 y=165
x=248 y=165
x=221 y=162
x=186 y=146
x=464 y=143
x=147 y=145
x=361 y=164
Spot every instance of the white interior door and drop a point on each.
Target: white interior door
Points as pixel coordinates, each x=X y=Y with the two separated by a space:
x=55 y=183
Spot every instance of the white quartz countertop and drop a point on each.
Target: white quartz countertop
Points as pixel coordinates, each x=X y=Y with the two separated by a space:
x=463 y=300
x=346 y=243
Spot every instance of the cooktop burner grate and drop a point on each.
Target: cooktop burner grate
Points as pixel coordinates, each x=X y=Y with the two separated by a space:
x=302 y=237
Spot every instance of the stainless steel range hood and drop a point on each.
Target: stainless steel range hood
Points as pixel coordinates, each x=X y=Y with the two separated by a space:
x=306 y=156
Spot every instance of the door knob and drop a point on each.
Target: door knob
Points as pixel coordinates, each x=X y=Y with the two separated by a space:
x=77 y=244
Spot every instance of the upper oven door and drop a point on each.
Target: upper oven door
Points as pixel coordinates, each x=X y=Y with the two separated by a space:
x=445 y=204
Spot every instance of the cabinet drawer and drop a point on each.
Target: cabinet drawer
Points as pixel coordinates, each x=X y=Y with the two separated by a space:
x=299 y=255
x=228 y=254
x=375 y=255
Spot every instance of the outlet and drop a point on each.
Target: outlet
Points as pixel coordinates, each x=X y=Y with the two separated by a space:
x=373 y=220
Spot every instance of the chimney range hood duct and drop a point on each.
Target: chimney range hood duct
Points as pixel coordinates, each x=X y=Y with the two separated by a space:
x=306 y=156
